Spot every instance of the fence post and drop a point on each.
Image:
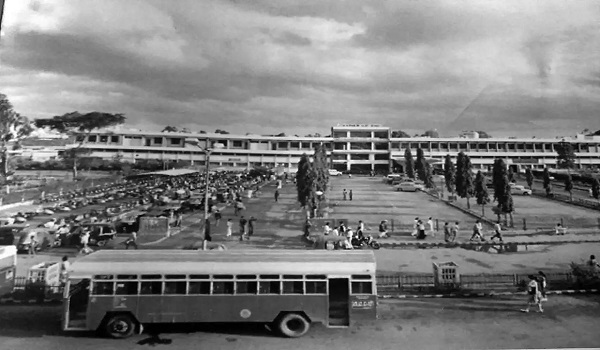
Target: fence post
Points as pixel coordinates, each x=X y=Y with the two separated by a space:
x=524 y=224
x=392 y=226
x=562 y=224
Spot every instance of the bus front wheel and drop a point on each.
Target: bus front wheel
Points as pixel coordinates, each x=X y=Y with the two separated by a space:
x=120 y=326
x=293 y=325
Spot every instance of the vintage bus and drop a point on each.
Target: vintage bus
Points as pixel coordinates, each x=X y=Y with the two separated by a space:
x=117 y=292
x=8 y=267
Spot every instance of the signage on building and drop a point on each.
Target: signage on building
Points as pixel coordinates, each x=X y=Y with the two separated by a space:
x=361 y=125
x=235 y=159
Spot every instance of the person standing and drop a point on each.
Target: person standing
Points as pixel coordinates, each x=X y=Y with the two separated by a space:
x=415 y=227
x=350 y=194
x=542 y=282
x=218 y=217
x=251 y=226
x=342 y=228
x=454 y=231
x=533 y=295
x=447 y=232
x=383 y=233
x=345 y=194
x=229 y=228
x=276 y=195
x=360 y=228
x=132 y=240
x=32 y=244
x=430 y=226
x=421 y=230
x=477 y=231
x=64 y=270
x=593 y=264
x=497 y=231
x=326 y=229
x=306 y=228
x=179 y=219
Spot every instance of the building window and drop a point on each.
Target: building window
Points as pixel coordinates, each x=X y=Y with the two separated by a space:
x=395 y=145
x=176 y=141
x=92 y=138
x=338 y=134
x=295 y=145
x=340 y=146
x=103 y=138
x=282 y=145
x=158 y=140
x=381 y=146
x=380 y=134
x=238 y=144
x=114 y=139
x=79 y=138
x=359 y=156
x=360 y=145
x=364 y=134
x=424 y=146
x=382 y=157
x=404 y=145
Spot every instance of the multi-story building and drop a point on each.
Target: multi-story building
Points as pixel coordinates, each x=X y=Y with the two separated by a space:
x=350 y=147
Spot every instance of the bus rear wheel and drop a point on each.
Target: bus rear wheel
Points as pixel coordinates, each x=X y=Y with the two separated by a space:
x=120 y=326
x=293 y=325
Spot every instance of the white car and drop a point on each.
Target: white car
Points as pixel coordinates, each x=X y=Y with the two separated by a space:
x=334 y=172
x=520 y=190
x=408 y=186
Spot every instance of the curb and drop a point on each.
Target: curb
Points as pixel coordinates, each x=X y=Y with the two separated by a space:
x=395 y=245
x=484 y=294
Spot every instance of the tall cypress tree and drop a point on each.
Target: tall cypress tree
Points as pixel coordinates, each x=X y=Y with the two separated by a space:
x=481 y=192
x=507 y=204
x=464 y=177
x=499 y=180
x=420 y=165
x=450 y=174
x=304 y=180
x=409 y=166
x=596 y=188
x=569 y=186
x=320 y=169
x=546 y=178
x=529 y=177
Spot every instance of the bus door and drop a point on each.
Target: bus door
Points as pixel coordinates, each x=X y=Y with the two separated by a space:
x=77 y=293
x=339 y=298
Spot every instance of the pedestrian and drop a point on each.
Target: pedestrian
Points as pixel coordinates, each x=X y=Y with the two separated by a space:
x=415 y=227
x=32 y=244
x=421 y=230
x=349 y=235
x=342 y=228
x=251 y=226
x=559 y=229
x=350 y=195
x=306 y=228
x=229 y=228
x=218 y=217
x=326 y=229
x=543 y=283
x=64 y=269
x=454 y=231
x=447 y=232
x=477 y=231
x=497 y=231
x=132 y=240
x=592 y=263
x=345 y=194
x=178 y=219
x=276 y=195
x=383 y=233
x=533 y=295
x=430 y=226
x=360 y=229
x=207 y=236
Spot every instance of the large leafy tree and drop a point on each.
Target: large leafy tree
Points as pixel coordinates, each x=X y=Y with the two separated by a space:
x=170 y=128
x=409 y=164
x=420 y=165
x=565 y=155
x=529 y=177
x=596 y=188
x=464 y=177
x=400 y=133
x=450 y=174
x=499 y=180
x=569 y=186
x=80 y=126
x=13 y=128
x=481 y=192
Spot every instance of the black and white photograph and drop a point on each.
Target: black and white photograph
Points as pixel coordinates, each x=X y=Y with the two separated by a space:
x=299 y=174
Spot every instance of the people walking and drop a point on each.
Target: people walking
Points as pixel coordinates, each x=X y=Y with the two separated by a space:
x=132 y=240
x=533 y=295
x=229 y=228
x=345 y=194
x=430 y=227
x=32 y=244
x=218 y=217
x=421 y=230
x=306 y=228
x=447 y=232
x=251 y=226
x=350 y=195
x=415 y=227
x=276 y=195
x=477 y=231
x=383 y=231
x=178 y=219
x=243 y=223
x=454 y=231
x=542 y=282
x=497 y=231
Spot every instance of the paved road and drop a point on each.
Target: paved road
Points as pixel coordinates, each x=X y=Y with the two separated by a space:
x=568 y=321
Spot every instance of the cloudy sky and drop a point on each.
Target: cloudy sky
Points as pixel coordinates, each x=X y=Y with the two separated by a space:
x=510 y=67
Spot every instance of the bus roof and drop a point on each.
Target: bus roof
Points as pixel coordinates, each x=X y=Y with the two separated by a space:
x=109 y=262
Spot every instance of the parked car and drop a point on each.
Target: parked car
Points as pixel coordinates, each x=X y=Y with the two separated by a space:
x=100 y=232
x=408 y=186
x=520 y=190
x=334 y=172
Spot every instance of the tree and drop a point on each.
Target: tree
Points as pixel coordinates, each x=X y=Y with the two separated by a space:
x=431 y=133
x=464 y=177
x=170 y=128
x=304 y=180
x=219 y=131
x=481 y=192
x=529 y=177
x=428 y=176
x=596 y=188
x=13 y=128
x=76 y=124
x=420 y=165
x=484 y=135
x=569 y=186
x=400 y=134
x=565 y=155
x=546 y=176
x=320 y=168
x=409 y=166
x=449 y=174
x=507 y=204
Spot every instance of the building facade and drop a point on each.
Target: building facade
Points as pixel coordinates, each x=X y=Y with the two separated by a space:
x=350 y=147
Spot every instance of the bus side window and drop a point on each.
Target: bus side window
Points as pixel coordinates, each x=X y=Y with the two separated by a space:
x=199 y=287
x=293 y=287
x=362 y=287
x=126 y=288
x=222 y=287
x=172 y=287
x=246 y=287
x=316 y=287
x=269 y=287
x=151 y=288
x=103 y=288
